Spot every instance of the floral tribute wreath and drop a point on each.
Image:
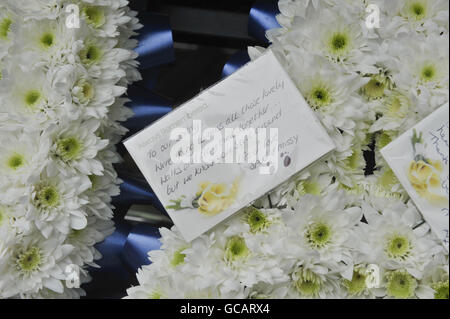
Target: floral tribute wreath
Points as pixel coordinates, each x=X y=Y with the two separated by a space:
x=335 y=231
x=61 y=85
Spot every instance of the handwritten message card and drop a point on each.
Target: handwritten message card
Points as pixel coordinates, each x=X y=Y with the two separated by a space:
x=419 y=158
x=229 y=146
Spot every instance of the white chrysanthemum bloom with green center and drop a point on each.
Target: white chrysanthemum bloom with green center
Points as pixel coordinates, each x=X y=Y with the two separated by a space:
x=6 y=23
x=326 y=32
x=37 y=9
x=437 y=278
x=332 y=94
x=421 y=16
x=360 y=283
x=22 y=157
x=102 y=58
x=33 y=263
x=315 y=180
x=394 y=240
x=56 y=205
x=323 y=225
x=104 y=20
x=91 y=97
x=75 y=147
x=397 y=112
x=420 y=65
x=314 y=280
x=46 y=43
x=379 y=191
x=27 y=100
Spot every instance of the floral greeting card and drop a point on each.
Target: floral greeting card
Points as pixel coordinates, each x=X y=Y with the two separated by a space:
x=419 y=158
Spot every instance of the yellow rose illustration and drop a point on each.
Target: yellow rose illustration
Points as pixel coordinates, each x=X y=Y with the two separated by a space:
x=424 y=177
x=215 y=198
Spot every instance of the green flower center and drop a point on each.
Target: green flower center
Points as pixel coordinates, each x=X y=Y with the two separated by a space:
x=307 y=283
x=358 y=283
x=318 y=235
x=86 y=91
x=354 y=160
x=236 y=249
x=90 y=55
x=319 y=97
x=32 y=98
x=68 y=148
x=178 y=257
x=47 y=40
x=2 y=215
x=398 y=247
x=29 y=260
x=94 y=16
x=5 y=26
x=256 y=219
x=441 y=290
x=16 y=161
x=155 y=295
x=400 y=284
x=428 y=73
x=417 y=10
x=383 y=139
x=374 y=89
x=388 y=180
x=339 y=44
x=47 y=197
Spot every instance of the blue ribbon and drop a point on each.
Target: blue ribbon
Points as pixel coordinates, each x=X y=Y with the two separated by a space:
x=262 y=18
x=155 y=41
x=235 y=62
x=138 y=192
x=147 y=108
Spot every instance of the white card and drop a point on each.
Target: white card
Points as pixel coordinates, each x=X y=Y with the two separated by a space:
x=419 y=158
x=199 y=196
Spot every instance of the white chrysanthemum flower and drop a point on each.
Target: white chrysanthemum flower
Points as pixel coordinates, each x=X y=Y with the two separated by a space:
x=312 y=279
x=420 y=65
x=105 y=20
x=45 y=44
x=99 y=194
x=55 y=203
x=37 y=9
x=332 y=94
x=6 y=21
x=393 y=239
x=90 y=97
x=101 y=57
x=327 y=33
x=437 y=278
x=75 y=147
x=322 y=226
x=30 y=102
x=22 y=157
x=421 y=16
x=84 y=241
x=32 y=263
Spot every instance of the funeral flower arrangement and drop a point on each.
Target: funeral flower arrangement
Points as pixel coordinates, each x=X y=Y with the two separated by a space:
x=340 y=229
x=64 y=67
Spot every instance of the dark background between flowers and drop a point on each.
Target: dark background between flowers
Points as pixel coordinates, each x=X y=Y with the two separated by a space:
x=206 y=34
